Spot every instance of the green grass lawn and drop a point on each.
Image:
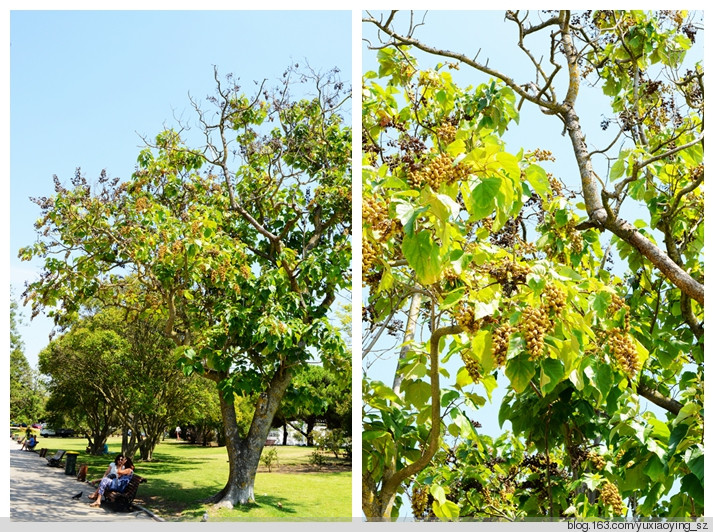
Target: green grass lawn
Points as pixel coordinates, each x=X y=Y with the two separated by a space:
x=182 y=476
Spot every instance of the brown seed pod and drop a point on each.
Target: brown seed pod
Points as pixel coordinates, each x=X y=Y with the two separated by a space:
x=609 y=495
x=501 y=340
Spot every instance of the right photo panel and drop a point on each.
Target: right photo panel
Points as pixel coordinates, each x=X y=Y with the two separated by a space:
x=532 y=265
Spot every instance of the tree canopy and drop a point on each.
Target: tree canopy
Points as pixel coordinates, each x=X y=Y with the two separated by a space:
x=535 y=282
x=239 y=238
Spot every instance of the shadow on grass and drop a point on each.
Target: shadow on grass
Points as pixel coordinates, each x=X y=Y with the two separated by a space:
x=280 y=504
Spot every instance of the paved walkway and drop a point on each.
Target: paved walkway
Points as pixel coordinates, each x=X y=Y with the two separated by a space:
x=42 y=493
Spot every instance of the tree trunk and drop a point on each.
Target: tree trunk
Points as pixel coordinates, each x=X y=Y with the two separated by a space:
x=310 y=432
x=244 y=453
x=284 y=434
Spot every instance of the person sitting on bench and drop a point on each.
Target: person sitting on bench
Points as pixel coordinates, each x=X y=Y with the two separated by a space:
x=111 y=470
x=29 y=445
x=123 y=476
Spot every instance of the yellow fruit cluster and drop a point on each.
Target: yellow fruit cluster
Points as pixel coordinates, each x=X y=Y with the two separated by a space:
x=369 y=255
x=597 y=460
x=574 y=237
x=541 y=155
x=501 y=340
x=624 y=350
x=609 y=494
x=472 y=366
x=535 y=324
x=446 y=132
x=554 y=299
x=555 y=185
x=375 y=214
x=466 y=318
x=439 y=170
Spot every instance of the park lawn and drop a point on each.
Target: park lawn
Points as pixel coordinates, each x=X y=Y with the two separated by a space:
x=182 y=476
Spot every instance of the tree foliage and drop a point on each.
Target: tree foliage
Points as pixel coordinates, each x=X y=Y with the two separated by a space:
x=241 y=238
x=507 y=268
x=108 y=373
x=26 y=392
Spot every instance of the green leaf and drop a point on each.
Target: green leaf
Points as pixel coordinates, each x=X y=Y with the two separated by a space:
x=696 y=467
x=446 y=511
x=551 y=374
x=452 y=298
x=537 y=177
x=520 y=371
x=617 y=169
x=601 y=303
x=369 y=435
x=691 y=485
x=417 y=393
x=659 y=430
x=482 y=200
x=438 y=493
x=655 y=469
x=422 y=255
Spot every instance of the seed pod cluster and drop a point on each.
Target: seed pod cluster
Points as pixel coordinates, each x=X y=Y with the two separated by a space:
x=535 y=323
x=555 y=185
x=375 y=214
x=465 y=317
x=439 y=170
x=597 y=460
x=446 y=132
x=618 y=303
x=473 y=366
x=554 y=299
x=508 y=271
x=501 y=340
x=450 y=276
x=609 y=494
x=419 y=502
x=541 y=155
x=574 y=237
x=624 y=351
x=368 y=257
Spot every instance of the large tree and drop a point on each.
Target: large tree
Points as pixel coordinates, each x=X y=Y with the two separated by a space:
x=243 y=240
x=490 y=258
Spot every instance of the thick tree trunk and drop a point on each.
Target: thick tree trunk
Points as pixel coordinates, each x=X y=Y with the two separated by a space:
x=244 y=453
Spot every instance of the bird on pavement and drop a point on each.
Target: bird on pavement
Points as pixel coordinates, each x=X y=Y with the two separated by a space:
x=78 y=495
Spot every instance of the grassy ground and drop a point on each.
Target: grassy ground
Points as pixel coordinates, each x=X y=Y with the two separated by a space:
x=182 y=476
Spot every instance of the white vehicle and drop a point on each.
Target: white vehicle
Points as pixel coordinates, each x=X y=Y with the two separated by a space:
x=47 y=431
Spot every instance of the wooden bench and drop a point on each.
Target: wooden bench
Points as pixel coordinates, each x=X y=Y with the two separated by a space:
x=56 y=460
x=122 y=501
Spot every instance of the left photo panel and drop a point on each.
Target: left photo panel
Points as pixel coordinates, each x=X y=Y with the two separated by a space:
x=181 y=266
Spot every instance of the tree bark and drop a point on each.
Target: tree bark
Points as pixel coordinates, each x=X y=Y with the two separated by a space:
x=244 y=453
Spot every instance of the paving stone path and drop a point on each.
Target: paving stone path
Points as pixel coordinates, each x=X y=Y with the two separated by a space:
x=42 y=493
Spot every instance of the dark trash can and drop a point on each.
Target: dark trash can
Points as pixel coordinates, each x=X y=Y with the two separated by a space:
x=70 y=458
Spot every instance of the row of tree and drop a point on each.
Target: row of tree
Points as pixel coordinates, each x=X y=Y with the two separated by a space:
x=107 y=374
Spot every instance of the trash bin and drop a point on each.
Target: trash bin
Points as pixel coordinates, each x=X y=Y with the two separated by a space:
x=70 y=458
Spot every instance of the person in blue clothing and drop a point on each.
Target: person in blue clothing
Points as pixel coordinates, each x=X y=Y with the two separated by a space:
x=124 y=472
x=30 y=444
